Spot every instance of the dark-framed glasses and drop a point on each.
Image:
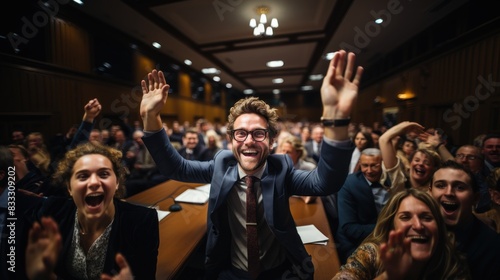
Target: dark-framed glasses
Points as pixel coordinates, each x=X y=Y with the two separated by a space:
x=467 y=157
x=241 y=135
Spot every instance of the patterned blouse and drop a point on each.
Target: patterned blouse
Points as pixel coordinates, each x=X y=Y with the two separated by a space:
x=90 y=266
x=364 y=264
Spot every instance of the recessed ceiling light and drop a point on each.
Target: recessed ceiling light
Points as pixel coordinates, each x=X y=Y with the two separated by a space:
x=228 y=85
x=156 y=45
x=306 y=88
x=316 y=77
x=216 y=79
x=276 y=91
x=78 y=2
x=379 y=21
x=188 y=62
x=211 y=70
x=278 y=81
x=248 y=91
x=275 y=63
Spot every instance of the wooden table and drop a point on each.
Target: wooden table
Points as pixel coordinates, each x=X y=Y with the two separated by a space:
x=325 y=258
x=181 y=232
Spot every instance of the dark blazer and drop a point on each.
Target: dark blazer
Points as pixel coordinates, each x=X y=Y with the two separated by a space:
x=279 y=180
x=481 y=246
x=309 y=146
x=134 y=234
x=357 y=214
x=198 y=153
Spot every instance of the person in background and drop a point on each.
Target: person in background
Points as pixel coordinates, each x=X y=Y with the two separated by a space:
x=375 y=134
x=493 y=215
x=404 y=151
x=278 y=251
x=361 y=199
x=313 y=146
x=94 y=223
x=38 y=153
x=362 y=140
x=213 y=146
x=28 y=178
x=423 y=163
x=293 y=147
x=409 y=241
x=17 y=137
x=491 y=151
x=190 y=149
x=456 y=192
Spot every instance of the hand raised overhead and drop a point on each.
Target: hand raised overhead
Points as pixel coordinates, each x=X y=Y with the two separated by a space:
x=338 y=92
x=154 y=97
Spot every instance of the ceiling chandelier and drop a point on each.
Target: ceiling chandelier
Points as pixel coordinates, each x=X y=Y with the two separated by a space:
x=263 y=27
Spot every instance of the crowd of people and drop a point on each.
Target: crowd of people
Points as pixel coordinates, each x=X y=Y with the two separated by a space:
x=402 y=201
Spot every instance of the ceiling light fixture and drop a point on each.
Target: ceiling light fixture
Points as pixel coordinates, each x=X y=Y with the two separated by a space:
x=262 y=27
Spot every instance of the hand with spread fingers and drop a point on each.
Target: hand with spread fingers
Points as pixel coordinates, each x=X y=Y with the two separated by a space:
x=155 y=93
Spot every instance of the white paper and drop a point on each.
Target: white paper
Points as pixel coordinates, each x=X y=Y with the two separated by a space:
x=204 y=188
x=162 y=214
x=192 y=196
x=311 y=234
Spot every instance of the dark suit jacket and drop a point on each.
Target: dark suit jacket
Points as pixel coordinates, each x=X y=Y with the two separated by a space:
x=279 y=180
x=198 y=153
x=134 y=234
x=481 y=246
x=357 y=214
x=310 y=150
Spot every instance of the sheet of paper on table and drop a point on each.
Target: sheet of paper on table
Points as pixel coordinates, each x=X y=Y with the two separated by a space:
x=196 y=196
x=311 y=234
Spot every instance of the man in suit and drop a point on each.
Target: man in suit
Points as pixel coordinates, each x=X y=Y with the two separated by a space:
x=190 y=149
x=252 y=129
x=359 y=202
x=313 y=146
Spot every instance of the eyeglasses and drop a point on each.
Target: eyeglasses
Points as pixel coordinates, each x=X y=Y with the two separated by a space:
x=241 y=135
x=467 y=157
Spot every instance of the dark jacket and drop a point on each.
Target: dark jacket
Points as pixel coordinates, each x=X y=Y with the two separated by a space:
x=134 y=234
x=280 y=181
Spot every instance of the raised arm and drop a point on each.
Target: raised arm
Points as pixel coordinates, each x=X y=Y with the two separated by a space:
x=339 y=92
x=91 y=111
x=387 y=149
x=154 y=97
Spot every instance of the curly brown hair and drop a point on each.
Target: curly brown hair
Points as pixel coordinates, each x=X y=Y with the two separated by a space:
x=64 y=171
x=253 y=105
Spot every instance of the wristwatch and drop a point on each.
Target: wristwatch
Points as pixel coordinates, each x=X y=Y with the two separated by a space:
x=336 y=122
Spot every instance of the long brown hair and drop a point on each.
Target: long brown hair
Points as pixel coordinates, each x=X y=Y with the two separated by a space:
x=444 y=262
